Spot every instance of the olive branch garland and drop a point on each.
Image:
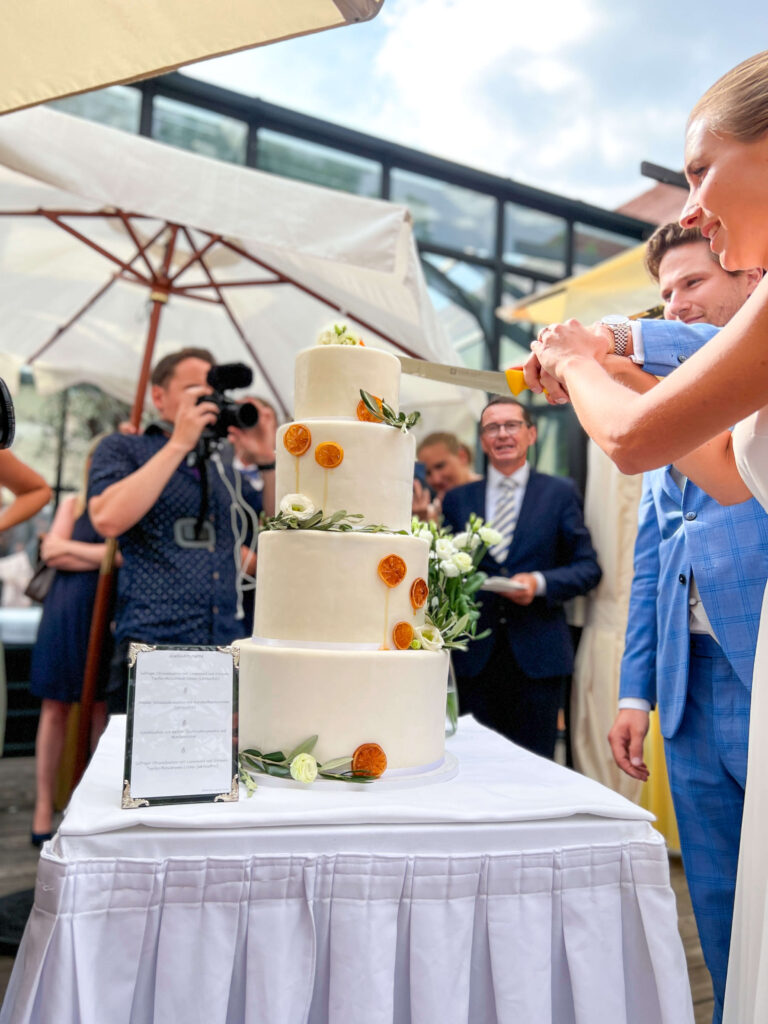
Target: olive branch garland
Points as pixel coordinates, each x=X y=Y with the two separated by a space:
x=338 y=522
x=252 y=762
x=388 y=415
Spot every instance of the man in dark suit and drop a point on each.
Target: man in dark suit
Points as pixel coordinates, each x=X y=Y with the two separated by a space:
x=512 y=680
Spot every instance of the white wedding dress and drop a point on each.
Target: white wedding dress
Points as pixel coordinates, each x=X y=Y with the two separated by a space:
x=746 y=997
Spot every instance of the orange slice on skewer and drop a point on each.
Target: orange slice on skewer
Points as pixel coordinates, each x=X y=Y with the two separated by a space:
x=329 y=455
x=392 y=570
x=297 y=439
x=402 y=634
x=364 y=413
x=419 y=592
x=369 y=759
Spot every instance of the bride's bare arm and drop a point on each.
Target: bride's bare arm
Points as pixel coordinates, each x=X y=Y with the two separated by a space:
x=722 y=383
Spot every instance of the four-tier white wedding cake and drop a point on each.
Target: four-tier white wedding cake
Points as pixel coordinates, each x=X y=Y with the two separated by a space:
x=336 y=611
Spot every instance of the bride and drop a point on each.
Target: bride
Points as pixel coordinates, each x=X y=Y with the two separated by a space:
x=685 y=419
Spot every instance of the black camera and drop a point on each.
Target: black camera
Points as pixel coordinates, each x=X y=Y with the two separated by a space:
x=231 y=414
x=7 y=416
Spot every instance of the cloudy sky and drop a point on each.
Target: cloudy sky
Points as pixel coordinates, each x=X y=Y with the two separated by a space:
x=566 y=95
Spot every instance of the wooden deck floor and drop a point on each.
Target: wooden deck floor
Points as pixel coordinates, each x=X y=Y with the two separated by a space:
x=18 y=865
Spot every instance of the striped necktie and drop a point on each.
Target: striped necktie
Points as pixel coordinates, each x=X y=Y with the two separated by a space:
x=505 y=518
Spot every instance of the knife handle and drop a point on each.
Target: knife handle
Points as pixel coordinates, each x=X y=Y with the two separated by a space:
x=515 y=379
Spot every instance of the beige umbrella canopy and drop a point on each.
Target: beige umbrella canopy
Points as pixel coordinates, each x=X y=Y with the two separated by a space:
x=50 y=48
x=618 y=285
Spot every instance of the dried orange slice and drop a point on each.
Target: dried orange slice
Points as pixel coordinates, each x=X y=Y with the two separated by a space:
x=329 y=455
x=419 y=592
x=297 y=438
x=402 y=634
x=365 y=414
x=369 y=759
x=392 y=570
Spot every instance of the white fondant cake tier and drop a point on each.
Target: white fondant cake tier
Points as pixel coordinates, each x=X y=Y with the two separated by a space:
x=393 y=698
x=329 y=379
x=374 y=477
x=324 y=586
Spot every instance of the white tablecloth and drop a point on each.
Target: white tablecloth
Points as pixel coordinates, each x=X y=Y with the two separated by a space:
x=516 y=892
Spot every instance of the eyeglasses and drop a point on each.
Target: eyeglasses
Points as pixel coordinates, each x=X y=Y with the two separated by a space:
x=494 y=429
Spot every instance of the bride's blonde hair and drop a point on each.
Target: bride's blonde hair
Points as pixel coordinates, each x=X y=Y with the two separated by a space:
x=737 y=104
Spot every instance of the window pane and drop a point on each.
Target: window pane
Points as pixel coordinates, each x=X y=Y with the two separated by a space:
x=447 y=214
x=516 y=336
x=462 y=294
x=593 y=245
x=118 y=106
x=201 y=131
x=534 y=240
x=320 y=165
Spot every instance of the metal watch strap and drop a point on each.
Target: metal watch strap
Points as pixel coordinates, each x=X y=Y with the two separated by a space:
x=620 y=338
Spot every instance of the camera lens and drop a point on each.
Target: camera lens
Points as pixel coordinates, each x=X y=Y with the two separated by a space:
x=8 y=418
x=247 y=415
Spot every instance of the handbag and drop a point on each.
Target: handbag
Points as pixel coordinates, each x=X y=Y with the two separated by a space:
x=41 y=581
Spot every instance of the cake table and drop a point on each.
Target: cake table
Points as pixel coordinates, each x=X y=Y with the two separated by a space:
x=515 y=892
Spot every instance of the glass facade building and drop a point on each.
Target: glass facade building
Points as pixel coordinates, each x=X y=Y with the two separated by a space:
x=485 y=241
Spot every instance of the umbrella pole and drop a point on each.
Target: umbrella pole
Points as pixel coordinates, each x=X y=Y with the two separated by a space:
x=99 y=619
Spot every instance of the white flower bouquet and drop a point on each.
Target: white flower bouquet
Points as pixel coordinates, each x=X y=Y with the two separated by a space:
x=454 y=579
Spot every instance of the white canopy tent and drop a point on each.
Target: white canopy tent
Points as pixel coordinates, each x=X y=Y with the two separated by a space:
x=259 y=265
x=49 y=48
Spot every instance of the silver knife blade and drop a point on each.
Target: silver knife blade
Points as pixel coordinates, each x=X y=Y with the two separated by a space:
x=494 y=381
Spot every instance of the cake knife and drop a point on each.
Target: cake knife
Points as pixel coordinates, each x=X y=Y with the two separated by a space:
x=498 y=382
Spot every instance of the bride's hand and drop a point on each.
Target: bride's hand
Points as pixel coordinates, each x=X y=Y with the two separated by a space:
x=558 y=343
x=539 y=381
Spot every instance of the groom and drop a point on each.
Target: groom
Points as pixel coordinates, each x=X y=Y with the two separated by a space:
x=700 y=573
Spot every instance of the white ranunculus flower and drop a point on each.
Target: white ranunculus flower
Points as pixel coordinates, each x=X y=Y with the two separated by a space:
x=304 y=768
x=463 y=562
x=449 y=569
x=474 y=542
x=460 y=539
x=297 y=505
x=338 y=334
x=489 y=536
x=430 y=637
x=444 y=547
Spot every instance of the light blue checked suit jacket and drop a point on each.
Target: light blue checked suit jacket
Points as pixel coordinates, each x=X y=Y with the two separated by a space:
x=684 y=531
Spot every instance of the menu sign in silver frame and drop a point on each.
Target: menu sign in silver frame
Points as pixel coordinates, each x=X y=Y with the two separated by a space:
x=181 y=735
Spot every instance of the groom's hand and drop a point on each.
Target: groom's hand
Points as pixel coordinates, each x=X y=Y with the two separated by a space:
x=626 y=739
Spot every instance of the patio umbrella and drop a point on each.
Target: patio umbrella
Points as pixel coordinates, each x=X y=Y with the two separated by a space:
x=618 y=285
x=49 y=48
x=115 y=249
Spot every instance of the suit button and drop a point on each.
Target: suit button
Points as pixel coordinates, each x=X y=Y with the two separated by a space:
x=681 y=359
x=682 y=578
x=503 y=620
x=690 y=516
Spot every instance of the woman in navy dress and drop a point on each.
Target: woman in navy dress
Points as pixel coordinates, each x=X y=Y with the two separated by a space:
x=75 y=550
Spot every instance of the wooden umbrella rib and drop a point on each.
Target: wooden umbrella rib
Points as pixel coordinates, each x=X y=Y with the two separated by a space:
x=241 y=333
x=118 y=274
x=55 y=219
x=285 y=278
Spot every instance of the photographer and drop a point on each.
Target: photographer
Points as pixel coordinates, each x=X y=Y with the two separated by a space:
x=160 y=494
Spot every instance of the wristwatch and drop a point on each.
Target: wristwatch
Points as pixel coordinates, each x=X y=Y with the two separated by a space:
x=620 y=327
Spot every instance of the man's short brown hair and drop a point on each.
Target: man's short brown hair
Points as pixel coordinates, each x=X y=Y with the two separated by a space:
x=503 y=400
x=164 y=370
x=666 y=238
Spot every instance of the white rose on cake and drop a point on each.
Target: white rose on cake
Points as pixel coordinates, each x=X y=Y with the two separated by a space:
x=429 y=638
x=297 y=505
x=304 y=768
